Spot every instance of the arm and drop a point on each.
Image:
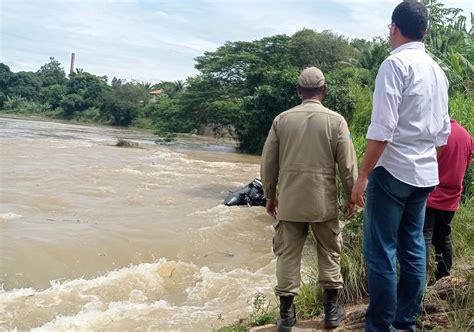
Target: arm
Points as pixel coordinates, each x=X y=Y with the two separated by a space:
x=387 y=98
x=269 y=169
x=372 y=155
x=347 y=164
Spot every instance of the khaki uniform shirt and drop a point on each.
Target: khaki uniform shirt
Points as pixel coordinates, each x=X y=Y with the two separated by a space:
x=300 y=154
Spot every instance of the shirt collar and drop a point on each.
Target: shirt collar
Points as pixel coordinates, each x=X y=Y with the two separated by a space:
x=411 y=45
x=311 y=100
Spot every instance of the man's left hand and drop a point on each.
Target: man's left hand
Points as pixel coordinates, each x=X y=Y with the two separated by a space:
x=272 y=207
x=349 y=209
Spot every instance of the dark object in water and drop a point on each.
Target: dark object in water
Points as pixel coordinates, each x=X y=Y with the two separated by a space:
x=251 y=195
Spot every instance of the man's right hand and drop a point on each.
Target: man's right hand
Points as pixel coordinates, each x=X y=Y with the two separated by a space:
x=272 y=207
x=358 y=190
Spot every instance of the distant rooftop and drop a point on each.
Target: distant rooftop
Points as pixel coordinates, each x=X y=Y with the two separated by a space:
x=156 y=92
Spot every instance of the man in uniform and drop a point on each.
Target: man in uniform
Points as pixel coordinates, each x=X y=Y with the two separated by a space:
x=300 y=155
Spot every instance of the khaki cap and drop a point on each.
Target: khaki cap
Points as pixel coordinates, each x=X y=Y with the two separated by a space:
x=311 y=77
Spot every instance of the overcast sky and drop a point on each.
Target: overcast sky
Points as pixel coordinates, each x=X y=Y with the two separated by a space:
x=155 y=40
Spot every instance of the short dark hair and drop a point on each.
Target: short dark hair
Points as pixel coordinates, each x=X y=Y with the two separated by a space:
x=411 y=17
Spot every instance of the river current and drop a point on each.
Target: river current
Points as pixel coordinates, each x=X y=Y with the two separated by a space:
x=98 y=237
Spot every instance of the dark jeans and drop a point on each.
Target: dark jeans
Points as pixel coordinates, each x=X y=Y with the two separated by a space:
x=437 y=231
x=393 y=228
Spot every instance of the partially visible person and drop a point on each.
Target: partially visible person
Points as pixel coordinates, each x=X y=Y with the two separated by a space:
x=304 y=147
x=453 y=161
x=409 y=123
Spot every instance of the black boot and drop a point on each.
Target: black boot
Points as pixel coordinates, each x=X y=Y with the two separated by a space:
x=287 y=314
x=333 y=311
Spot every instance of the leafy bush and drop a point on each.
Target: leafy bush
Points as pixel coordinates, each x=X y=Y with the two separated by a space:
x=21 y=105
x=142 y=122
x=92 y=114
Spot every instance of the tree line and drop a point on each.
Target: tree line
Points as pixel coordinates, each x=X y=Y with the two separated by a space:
x=242 y=85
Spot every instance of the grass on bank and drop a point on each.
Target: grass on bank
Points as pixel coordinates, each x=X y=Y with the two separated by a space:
x=263 y=313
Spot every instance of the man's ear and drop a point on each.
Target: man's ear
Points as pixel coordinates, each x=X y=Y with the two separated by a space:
x=325 y=90
x=298 y=90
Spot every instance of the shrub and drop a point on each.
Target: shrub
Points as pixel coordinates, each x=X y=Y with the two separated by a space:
x=143 y=123
x=21 y=105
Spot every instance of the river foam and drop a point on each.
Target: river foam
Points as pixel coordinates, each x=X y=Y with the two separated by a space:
x=140 y=296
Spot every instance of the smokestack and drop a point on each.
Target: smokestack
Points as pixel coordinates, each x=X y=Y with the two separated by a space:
x=73 y=60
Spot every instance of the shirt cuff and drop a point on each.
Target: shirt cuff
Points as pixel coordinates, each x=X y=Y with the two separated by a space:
x=440 y=141
x=377 y=132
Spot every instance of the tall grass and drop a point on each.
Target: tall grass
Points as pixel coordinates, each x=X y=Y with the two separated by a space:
x=463 y=235
x=461 y=108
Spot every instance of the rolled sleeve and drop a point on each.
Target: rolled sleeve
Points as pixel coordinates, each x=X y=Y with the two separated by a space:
x=386 y=100
x=442 y=138
x=378 y=132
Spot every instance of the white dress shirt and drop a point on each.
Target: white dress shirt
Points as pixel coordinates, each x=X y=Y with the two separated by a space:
x=410 y=112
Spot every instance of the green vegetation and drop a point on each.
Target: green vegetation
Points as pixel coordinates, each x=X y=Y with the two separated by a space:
x=262 y=314
x=244 y=85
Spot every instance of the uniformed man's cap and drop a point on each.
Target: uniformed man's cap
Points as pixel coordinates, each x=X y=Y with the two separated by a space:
x=311 y=77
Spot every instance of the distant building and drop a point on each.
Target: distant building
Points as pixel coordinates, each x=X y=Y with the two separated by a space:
x=156 y=92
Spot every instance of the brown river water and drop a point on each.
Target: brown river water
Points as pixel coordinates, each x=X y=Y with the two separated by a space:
x=97 y=237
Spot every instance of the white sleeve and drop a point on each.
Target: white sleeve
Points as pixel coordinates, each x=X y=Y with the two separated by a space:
x=442 y=138
x=386 y=100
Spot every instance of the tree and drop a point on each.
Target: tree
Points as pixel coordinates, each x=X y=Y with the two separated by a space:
x=446 y=29
x=5 y=76
x=171 y=88
x=240 y=66
x=168 y=117
x=52 y=95
x=72 y=103
x=24 y=84
x=90 y=88
x=116 y=82
x=275 y=95
x=324 y=50
x=451 y=44
x=52 y=73
x=121 y=104
x=370 y=55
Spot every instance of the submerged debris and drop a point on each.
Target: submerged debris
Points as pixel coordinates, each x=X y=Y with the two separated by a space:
x=126 y=144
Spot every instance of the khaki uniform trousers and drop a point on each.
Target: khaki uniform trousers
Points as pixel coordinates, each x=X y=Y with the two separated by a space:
x=288 y=245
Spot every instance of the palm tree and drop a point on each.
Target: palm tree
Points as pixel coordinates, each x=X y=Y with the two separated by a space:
x=450 y=44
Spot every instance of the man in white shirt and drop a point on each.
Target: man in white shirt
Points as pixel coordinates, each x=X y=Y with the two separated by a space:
x=409 y=123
